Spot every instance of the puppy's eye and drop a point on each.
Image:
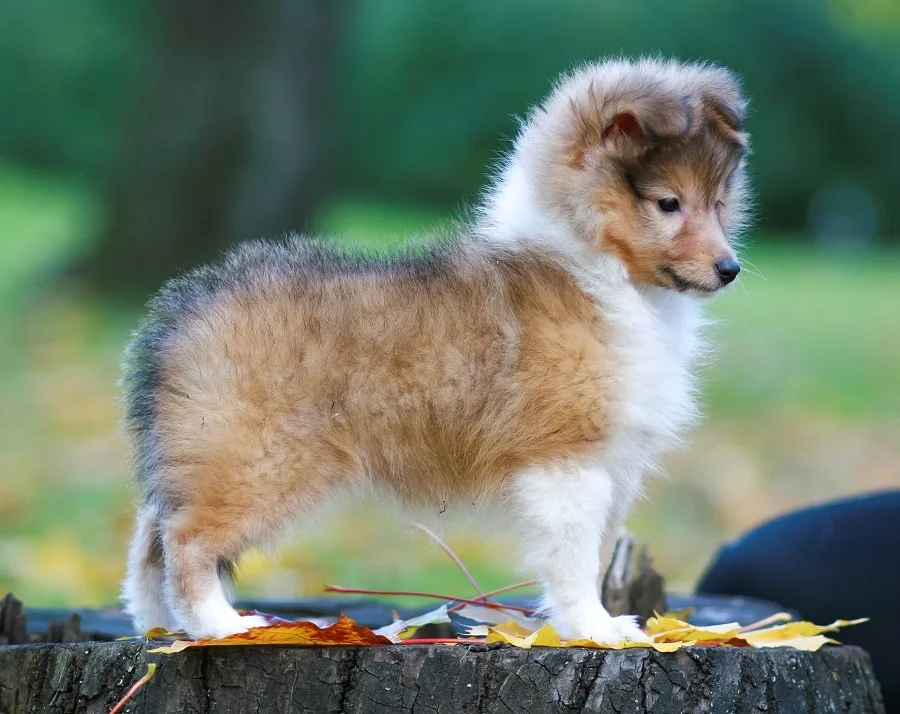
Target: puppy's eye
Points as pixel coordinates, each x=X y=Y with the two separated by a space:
x=720 y=205
x=668 y=205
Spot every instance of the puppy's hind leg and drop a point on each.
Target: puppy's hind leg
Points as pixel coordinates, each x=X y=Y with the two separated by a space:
x=563 y=512
x=142 y=590
x=236 y=508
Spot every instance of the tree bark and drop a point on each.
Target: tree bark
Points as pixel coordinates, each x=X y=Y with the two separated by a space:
x=229 y=141
x=91 y=677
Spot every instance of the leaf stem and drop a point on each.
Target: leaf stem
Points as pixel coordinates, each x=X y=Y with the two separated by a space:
x=151 y=670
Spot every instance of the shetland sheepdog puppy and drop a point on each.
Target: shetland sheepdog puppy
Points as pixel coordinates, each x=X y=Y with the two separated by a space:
x=541 y=356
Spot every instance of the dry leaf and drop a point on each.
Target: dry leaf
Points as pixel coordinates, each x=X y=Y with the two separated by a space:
x=404 y=629
x=496 y=616
x=671 y=630
x=154 y=633
x=669 y=634
x=344 y=632
x=793 y=630
x=543 y=637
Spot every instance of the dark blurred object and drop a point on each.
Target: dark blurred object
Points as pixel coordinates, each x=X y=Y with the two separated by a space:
x=833 y=561
x=708 y=610
x=59 y=627
x=13 y=622
x=229 y=140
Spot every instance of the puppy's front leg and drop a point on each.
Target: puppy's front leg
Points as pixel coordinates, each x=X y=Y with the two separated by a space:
x=563 y=512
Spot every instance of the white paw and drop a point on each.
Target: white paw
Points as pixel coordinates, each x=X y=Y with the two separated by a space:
x=627 y=628
x=607 y=630
x=218 y=622
x=251 y=621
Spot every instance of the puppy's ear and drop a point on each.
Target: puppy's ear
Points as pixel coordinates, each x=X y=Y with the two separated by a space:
x=627 y=120
x=626 y=124
x=724 y=105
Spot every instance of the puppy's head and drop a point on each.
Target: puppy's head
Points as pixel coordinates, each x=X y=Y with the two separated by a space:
x=646 y=162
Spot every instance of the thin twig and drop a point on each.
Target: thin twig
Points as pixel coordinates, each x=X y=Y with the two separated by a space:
x=453 y=556
x=416 y=593
x=151 y=670
x=516 y=586
x=777 y=617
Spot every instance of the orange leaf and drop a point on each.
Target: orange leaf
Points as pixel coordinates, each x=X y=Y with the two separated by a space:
x=344 y=632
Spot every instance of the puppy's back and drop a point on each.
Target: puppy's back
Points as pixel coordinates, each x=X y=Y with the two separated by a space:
x=293 y=368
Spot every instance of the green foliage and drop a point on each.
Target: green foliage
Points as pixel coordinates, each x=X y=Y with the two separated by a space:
x=69 y=72
x=431 y=86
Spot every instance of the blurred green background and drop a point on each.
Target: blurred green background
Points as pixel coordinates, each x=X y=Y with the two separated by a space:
x=138 y=139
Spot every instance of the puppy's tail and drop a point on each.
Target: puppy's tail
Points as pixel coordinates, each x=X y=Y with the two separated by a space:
x=143 y=591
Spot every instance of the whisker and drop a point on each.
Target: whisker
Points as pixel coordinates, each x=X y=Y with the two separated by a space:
x=752 y=269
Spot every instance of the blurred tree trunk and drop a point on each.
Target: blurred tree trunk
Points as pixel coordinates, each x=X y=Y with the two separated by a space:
x=229 y=141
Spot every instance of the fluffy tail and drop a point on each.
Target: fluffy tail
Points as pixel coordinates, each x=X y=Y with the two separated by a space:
x=144 y=586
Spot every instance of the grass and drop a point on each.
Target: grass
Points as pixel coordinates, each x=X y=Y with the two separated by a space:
x=803 y=405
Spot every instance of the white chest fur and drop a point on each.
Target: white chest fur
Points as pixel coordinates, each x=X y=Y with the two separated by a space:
x=655 y=342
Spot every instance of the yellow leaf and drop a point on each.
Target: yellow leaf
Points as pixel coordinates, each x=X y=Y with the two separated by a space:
x=176 y=646
x=521 y=642
x=545 y=636
x=511 y=627
x=659 y=623
x=793 y=630
x=670 y=629
x=629 y=644
x=671 y=646
x=713 y=633
x=808 y=644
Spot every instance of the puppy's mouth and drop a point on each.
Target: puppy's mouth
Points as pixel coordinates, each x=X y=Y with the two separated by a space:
x=684 y=285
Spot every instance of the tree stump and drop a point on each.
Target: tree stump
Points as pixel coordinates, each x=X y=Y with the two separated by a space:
x=89 y=678
x=630 y=585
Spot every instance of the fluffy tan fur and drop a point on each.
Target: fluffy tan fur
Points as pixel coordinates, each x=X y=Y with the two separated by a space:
x=287 y=374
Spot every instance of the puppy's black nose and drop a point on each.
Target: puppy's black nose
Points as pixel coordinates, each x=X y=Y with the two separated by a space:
x=728 y=270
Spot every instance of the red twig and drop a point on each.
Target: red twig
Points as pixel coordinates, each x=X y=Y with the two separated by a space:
x=453 y=556
x=486 y=595
x=415 y=593
x=151 y=670
x=444 y=640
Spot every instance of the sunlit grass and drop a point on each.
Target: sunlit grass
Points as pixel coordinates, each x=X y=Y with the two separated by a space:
x=804 y=404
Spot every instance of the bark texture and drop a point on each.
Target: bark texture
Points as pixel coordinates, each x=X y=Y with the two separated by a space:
x=89 y=678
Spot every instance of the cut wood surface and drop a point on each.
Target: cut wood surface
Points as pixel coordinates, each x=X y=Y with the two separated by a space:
x=89 y=678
